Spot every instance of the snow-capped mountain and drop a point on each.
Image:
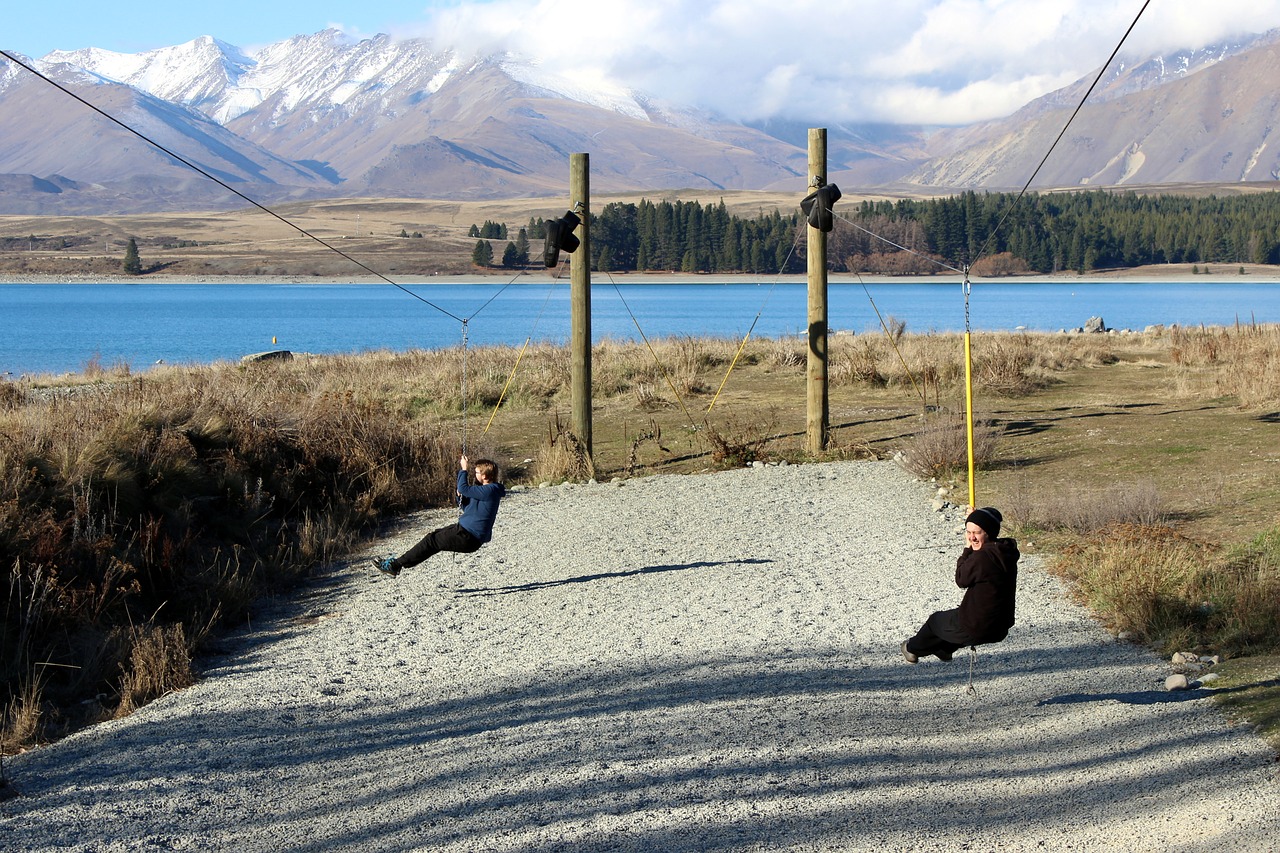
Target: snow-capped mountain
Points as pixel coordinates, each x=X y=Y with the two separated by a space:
x=85 y=157
x=326 y=115
x=324 y=70
x=203 y=74
x=1206 y=116
x=405 y=118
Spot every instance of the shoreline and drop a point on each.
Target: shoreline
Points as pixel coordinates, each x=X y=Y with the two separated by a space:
x=1171 y=273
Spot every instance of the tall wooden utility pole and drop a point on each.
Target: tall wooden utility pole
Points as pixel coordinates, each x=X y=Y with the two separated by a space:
x=580 y=300
x=818 y=408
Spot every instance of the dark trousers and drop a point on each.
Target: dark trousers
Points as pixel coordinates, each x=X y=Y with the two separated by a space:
x=940 y=634
x=451 y=538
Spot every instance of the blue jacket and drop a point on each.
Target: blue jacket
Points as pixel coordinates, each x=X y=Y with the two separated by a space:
x=479 y=507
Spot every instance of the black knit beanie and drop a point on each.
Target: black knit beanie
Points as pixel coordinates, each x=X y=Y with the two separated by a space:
x=988 y=518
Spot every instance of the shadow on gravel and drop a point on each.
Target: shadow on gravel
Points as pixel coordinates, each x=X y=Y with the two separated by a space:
x=1156 y=697
x=646 y=570
x=1138 y=697
x=762 y=750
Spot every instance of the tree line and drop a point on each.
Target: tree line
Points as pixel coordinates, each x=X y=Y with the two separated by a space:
x=996 y=233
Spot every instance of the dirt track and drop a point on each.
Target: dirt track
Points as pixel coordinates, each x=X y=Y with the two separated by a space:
x=697 y=663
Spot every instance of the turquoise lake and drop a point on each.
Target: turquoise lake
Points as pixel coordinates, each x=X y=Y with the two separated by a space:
x=54 y=328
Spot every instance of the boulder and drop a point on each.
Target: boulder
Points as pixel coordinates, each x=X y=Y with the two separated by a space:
x=1095 y=325
x=270 y=355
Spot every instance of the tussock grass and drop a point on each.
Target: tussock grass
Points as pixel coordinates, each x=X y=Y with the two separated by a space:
x=1241 y=361
x=1174 y=592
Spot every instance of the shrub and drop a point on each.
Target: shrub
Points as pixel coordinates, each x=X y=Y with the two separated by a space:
x=940 y=449
x=563 y=456
x=738 y=443
x=1005 y=366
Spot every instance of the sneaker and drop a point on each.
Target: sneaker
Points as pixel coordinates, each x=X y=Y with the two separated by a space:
x=386 y=566
x=907 y=655
x=944 y=656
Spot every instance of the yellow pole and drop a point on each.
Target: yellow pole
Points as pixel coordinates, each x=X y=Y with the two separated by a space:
x=968 y=407
x=968 y=391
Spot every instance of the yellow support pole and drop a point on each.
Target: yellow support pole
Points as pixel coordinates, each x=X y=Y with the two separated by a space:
x=968 y=407
x=968 y=392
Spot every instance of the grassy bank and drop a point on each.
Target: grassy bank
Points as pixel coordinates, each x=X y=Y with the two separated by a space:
x=142 y=513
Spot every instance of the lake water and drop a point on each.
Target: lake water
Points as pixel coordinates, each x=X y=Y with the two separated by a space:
x=54 y=328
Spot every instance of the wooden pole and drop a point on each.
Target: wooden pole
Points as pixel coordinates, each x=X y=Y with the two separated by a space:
x=580 y=300
x=818 y=408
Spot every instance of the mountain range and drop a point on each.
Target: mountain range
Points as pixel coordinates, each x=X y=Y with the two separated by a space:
x=323 y=115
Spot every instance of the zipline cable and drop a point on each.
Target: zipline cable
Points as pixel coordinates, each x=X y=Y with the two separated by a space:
x=936 y=262
x=967 y=287
x=196 y=168
x=500 y=291
x=304 y=232
x=1103 y=70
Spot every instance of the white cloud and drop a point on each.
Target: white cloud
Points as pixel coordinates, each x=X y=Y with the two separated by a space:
x=926 y=61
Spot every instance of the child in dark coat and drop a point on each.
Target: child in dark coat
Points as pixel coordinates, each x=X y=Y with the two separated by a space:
x=987 y=570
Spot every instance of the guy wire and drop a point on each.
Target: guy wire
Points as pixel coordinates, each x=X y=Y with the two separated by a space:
x=665 y=374
x=511 y=377
x=893 y=343
x=742 y=346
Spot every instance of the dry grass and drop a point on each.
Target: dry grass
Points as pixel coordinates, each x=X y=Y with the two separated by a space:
x=1084 y=511
x=159 y=663
x=563 y=457
x=1241 y=361
x=187 y=494
x=172 y=499
x=1175 y=592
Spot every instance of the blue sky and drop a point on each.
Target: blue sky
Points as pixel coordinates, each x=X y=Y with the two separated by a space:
x=924 y=61
x=36 y=29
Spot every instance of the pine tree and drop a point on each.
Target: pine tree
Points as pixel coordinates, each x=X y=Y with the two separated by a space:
x=482 y=255
x=522 y=248
x=132 y=263
x=511 y=256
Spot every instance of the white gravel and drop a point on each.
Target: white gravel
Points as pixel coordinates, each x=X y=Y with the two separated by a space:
x=681 y=663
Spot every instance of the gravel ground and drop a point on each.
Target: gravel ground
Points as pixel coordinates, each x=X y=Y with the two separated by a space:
x=680 y=663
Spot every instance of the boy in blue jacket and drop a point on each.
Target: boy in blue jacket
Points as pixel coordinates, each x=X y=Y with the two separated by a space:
x=473 y=529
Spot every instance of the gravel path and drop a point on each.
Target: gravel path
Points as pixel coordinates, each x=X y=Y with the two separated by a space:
x=700 y=663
